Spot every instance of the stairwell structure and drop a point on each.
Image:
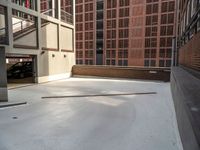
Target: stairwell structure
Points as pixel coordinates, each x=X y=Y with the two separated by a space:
x=41 y=29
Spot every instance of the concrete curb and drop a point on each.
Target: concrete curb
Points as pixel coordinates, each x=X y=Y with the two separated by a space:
x=10 y=104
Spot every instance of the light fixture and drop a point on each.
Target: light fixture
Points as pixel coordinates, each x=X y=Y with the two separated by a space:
x=42 y=52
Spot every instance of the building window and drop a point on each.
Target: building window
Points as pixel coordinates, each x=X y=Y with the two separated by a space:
x=123 y=62
x=89 y=54
x=123 y=43
x=111 y=3
x=124 y=12
x=151 y=42
x=152 y=20
x=149 y=63
x=79 y=61
x=79 y=8
x=123 y=33
x=30 y=4
x=89 y=17
x=107 y=62
x=123 y=54
x=88 y=62
x=110 y=62
x=123 y=2
x=161 y=63
x=165 y=63
x=168 y=63
x=151 y=31
x=67 y=11
x=88 y=7
x=150 y=53
x=151 y=8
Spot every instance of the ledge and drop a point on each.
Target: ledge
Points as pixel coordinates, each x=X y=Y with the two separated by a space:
x=185 y=91
x=142 y=73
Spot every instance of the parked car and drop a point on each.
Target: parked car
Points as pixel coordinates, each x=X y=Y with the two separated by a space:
x=21 y=70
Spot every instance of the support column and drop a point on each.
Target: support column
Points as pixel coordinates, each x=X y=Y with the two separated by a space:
x=3 y=76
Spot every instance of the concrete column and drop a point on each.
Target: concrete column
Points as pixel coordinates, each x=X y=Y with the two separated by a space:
x=3 y=76
x=53 y=8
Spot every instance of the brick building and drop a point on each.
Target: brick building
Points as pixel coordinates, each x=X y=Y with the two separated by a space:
x=125 y=32
x=189 y=35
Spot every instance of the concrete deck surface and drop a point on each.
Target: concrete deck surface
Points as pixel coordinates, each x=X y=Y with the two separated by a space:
x=122 y=122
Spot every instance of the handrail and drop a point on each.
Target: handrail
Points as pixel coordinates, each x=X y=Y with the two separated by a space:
x=2 y=29
x=65 y=16
x=66 y=12
x=20 y=22
x=22 y=26
x=50 y=12
x=47 y=11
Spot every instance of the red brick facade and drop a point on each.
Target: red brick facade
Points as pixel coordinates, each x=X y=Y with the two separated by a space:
x=189 y=33
x=136 y=32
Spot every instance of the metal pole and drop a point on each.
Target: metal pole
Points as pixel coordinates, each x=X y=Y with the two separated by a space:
x=173 y=52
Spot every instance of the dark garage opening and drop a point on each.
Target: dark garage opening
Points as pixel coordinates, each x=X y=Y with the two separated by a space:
x=21 y=70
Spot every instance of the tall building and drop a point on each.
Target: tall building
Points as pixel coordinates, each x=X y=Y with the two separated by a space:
x=125 y=32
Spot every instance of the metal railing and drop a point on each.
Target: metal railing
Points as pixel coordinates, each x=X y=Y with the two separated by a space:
x=18 y=28
x=50 y=12
x=3 y=39
x=66 y=17
x=21 y=25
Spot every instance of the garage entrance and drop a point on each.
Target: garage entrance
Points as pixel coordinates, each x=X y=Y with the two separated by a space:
x=21 y=70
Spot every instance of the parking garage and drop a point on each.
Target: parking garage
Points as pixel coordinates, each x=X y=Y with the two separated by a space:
x=16 y=71
x=21 y=70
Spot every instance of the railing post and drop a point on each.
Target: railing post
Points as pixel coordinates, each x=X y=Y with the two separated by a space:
x=173 y=52
x=21 y=25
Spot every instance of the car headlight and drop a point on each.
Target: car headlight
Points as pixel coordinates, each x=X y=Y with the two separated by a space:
x=17 y=71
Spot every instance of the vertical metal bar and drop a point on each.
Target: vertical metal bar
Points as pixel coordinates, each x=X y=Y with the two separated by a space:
x=38 y=26
x=21 y=23
x=53 y=8
x=173 y=58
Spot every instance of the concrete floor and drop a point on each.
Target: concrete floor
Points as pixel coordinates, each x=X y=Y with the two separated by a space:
x=123 y=122
x=15 y=83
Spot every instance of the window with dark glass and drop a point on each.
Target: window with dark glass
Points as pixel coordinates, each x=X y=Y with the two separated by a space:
x=30 y=4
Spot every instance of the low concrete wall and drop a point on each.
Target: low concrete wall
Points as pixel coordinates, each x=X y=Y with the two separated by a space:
x=123 y=72
x=186 y=94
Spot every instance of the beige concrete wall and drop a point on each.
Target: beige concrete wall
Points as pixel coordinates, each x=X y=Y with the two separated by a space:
x=66 y=38
x=51 y=38
x=56 y=67
x=2 y=24
x=2 y=21
x=49 y=34
x=28 y=40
